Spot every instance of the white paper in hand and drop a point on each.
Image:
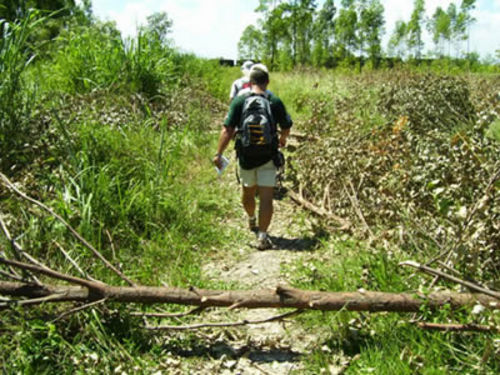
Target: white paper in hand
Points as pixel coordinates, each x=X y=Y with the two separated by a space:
x=225 y=163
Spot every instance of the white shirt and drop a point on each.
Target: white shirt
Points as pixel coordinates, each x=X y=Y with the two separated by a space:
x=237 y=86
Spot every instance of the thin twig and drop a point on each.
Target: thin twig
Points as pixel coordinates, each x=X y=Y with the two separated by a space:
x=32 y=301
x=447 y=267
x=69 y=227
x=80 y=308
x=73 y=262
x=355 y=205
x=233 y=324
x=435 y=272
x=298 y=198
x=111 y=244
x=254 y=364
x=19 y=252
x=12 y=276
x=457 y=327
x=54 y=274
x=169 y=315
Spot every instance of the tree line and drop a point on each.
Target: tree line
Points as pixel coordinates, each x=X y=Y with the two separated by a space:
x=299 y=32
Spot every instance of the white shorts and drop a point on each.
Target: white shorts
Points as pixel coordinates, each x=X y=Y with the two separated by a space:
x=264 y=176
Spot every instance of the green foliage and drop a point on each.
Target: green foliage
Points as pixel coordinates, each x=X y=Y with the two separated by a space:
x=250 y=45
x=16 y=97
x=123 y=138
x=292 y=33
x=371 y=29
x=494 y=130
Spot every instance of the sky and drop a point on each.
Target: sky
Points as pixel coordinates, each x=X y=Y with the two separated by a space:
x=212 y=28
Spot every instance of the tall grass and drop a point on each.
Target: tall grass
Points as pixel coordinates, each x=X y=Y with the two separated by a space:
x=16 y=96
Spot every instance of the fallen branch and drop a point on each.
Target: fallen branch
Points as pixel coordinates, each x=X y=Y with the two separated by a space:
x=457 y=327
x=221 y=325
x=79 y=308
x=438 y=273
x=280 y=297
x=344 y=223
x=77 y=235
x=92 y=285
x=357 y=208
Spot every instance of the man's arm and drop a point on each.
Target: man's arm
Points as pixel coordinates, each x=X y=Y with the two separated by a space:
x=283 y=136
x=225 y=137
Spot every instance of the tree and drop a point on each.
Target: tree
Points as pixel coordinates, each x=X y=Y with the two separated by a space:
x=273 y=28
x=346 y=28
x=323 y=33
x=158 y=27
x=299 y=19
x=464 y=21
x=414 y=28
x=398 y=41
x=60 y=12
x=371 y=29
x=439 y=27
x=12 y=10
x=452 y=15
x=250 y=44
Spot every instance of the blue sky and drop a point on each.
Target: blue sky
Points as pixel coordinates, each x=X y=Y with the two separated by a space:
x=212 y=28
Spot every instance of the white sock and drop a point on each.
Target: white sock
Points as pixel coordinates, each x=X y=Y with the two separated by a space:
x=252 y=217
x=262 y=235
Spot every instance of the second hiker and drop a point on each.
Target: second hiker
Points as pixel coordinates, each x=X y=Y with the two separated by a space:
x=254 y=117
x=242 y=82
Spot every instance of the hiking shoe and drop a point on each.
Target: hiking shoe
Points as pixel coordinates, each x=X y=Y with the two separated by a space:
x=252 y=224
x=264 y=243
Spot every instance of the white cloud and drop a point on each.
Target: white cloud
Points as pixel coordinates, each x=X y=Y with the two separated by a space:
x=207 y=28
x=482 y=38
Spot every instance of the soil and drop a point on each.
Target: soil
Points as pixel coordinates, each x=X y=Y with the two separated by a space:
x=278 y=347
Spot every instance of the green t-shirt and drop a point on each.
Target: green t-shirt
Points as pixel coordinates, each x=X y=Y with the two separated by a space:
x=233 y=119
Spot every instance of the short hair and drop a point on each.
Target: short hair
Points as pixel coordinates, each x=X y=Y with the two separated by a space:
x=259 y=74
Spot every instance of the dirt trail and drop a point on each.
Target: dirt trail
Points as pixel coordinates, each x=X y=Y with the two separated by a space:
x=275 y=347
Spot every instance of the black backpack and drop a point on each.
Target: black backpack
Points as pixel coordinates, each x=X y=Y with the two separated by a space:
x=257 y=129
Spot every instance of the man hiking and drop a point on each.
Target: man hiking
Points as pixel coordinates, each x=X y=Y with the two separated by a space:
x=242 y=82
x=254 y=117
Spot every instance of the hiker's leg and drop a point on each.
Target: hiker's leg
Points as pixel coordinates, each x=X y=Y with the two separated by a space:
x=265 y=207
x=266 y=180
x=249 y=187
x=248 y=200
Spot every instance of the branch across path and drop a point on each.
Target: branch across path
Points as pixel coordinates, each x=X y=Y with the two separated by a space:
x=280 y=297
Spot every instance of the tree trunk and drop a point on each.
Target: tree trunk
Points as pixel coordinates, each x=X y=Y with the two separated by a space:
x=281 y=297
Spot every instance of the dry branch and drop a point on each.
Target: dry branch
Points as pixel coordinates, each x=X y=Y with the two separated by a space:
x=344 y=223
x=281 y=297
x=221 y=325
x=457 y=327
x=357 y=208
x=77 y=235
x=438 y=273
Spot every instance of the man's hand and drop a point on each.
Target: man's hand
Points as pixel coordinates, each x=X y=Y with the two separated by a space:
x=283 y=136
x=282 y=141
x=217 y=160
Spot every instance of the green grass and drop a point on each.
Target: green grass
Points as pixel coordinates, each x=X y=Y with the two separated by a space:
x=142 y=190
x=494 y=130
x=383 y=343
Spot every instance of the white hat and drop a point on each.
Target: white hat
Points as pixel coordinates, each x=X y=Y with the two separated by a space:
x=245 y=68
x=261 y=67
